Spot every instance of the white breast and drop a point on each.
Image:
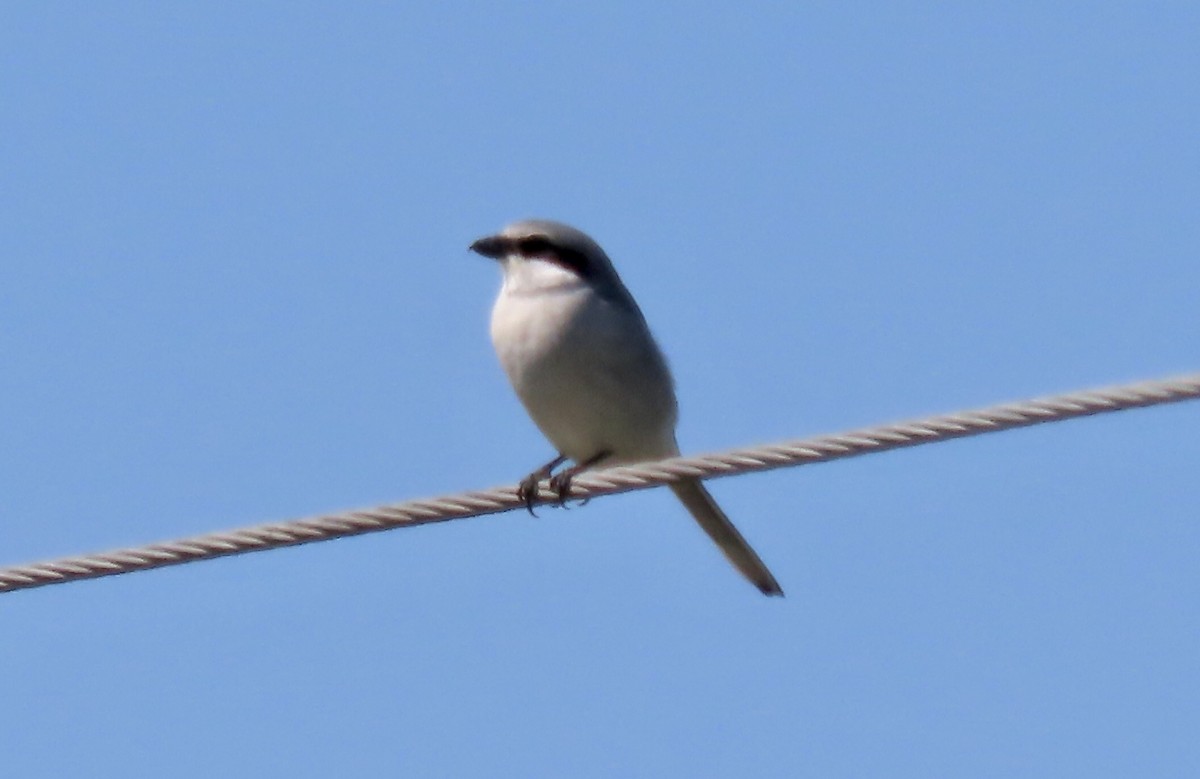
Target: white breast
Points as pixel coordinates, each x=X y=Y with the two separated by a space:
x=586 y=369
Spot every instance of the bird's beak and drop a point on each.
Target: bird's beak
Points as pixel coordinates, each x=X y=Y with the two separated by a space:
x=492 y=246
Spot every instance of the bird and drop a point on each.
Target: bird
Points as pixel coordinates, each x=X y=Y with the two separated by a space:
x=583 y=362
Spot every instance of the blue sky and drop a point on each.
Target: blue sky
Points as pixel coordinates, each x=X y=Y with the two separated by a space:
x=234 y=287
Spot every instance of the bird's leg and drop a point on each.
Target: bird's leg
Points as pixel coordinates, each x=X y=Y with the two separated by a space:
x=527 y=490
x=560 y=482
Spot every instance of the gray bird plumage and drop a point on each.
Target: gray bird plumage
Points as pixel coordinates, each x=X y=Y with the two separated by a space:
x=587 y=369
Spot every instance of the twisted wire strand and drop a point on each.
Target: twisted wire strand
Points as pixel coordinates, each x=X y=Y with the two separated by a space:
x=603 y=482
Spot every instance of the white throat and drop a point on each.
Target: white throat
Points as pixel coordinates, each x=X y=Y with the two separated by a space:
x=529 y=277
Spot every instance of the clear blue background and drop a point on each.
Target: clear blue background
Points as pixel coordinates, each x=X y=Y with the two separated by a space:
x=234 y=287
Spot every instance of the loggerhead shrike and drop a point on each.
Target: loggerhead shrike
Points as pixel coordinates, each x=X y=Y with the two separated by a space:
x=583 y=362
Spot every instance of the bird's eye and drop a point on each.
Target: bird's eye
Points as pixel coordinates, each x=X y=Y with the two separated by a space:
x=533 y=246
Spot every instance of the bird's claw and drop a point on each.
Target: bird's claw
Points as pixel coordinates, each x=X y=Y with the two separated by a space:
x=527 y=492
x=528 y=489
x=560 y=485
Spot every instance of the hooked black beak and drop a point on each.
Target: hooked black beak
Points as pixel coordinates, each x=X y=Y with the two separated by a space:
x=492 y=246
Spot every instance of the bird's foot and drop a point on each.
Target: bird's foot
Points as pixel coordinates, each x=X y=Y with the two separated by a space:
x=527 y=490
x=560 y=485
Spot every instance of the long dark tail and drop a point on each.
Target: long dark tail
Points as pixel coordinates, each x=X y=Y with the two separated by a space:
x=725 y=535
